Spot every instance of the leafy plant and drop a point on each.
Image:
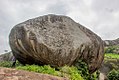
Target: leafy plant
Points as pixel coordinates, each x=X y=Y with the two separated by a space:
x=111 y=55
x=66 y=71
x=5 y=64
x=83 y=69
x=72 y=71
x=8 y=64
x=40 y=69
x=112 y=49
x=113 y=75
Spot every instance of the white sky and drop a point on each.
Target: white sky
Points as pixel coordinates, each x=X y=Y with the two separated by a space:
x=100 y=16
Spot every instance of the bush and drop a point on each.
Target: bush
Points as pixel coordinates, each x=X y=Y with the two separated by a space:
x=7 y=64
x=73 y=72
x=83 y=69
x=111 y=56
x=109 y=49
x=112 y=49
x=113 y=75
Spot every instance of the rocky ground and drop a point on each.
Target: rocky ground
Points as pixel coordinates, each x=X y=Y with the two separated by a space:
x=13 y=74
x=110 y=62
x=111 y=42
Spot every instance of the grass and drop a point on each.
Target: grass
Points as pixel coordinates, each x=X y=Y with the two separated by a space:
x=112 y=59
x=66 y=71
x=39 y=69
x=70 y=72
x=112 y=55
x=7 y=64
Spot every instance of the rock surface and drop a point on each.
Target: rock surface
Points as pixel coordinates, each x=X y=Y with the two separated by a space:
x=111 y=42
x=55 y=40
x=6 y=56
x=13 y=74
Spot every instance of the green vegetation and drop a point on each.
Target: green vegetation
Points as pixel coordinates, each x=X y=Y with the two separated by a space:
x=73 y=73
x=112 y=59
x=113 y=75
x=77 y=72
x=40 y=69
x=83 y=69
x=112 y=49
x=111 y=55
x=66 y=71
x=8 y=64
x=5 y=64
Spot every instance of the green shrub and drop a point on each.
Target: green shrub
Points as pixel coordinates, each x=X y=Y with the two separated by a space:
x=109 y=50
x=112 y=49
x=113 y=75
x=72 y=71
x=111 y=56
x=5 y=64
x=83 y=69
x=8 y=64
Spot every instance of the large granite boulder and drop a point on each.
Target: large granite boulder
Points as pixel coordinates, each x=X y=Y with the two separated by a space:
x=55 y=40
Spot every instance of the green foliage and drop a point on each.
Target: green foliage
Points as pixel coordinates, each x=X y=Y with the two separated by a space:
x=111 y=55
x=8 y=64
x=83 y=69
x=113 y=75
x=80 y=72
x=72 y=71
x=5 y=64
x=109 y=50
x=112 y=49
x=46 y=69
x=112 y=60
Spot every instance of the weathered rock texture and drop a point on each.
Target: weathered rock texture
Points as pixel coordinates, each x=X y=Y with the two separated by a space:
x=111 y=42
x=55 y=40
x=13 y=74
x=6 y=56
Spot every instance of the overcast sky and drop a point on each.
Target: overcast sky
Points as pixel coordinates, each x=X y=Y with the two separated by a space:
x=100 y=16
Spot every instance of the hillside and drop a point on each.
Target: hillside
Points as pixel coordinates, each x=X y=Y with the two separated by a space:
x=13 y=74
x=6 y=56
x=111 y=42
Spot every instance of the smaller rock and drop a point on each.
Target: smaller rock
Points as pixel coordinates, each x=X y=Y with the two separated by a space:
x=6 y=56
x=111 y=42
